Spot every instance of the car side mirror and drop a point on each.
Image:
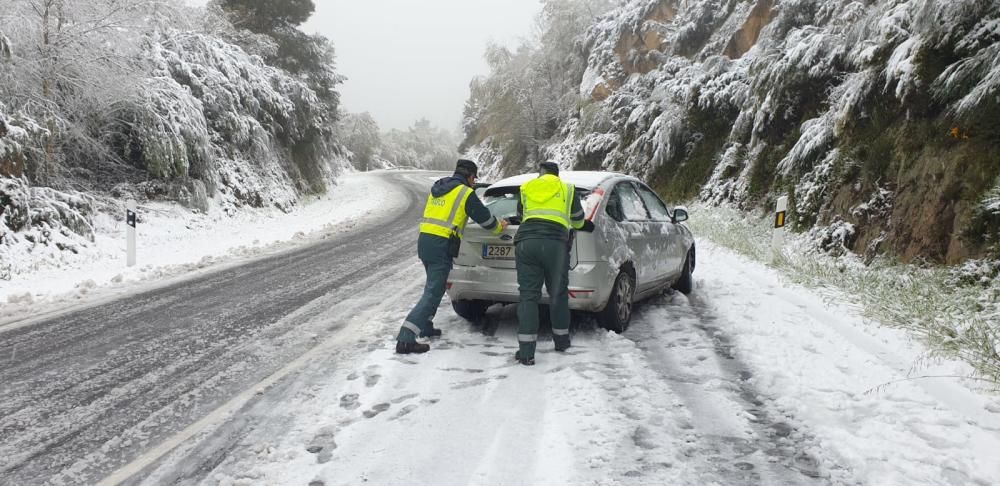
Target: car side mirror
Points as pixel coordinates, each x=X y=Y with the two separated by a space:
x=680 y=214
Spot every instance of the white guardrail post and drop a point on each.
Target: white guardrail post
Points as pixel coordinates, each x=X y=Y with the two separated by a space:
x=130 y=208
x=778 y=236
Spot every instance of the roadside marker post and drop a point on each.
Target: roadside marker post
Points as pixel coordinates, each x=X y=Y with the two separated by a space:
x=778 y=236
x=130 y=217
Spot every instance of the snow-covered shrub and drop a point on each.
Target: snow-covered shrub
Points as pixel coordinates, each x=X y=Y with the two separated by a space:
x=169 y=135
x=35 y=217
x=975 y=272
x=218 y=114
x=19 y=136
x=837 y=239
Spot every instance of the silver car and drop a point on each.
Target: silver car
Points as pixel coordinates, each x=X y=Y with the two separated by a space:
x=638 y=248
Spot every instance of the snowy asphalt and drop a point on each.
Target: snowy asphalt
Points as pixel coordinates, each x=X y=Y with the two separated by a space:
x=87 y=392
x=135 y=387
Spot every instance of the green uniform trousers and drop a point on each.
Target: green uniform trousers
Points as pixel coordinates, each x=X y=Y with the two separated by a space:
x=433 y=252
x=542 y=261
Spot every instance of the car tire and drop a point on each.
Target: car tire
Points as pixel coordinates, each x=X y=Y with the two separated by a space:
x=617 y=312
x=470 y=310
x=685 y=284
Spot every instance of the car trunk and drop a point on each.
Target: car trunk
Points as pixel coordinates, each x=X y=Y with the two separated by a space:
x=483 y=248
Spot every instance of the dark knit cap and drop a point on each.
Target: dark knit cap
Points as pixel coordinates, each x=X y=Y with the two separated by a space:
x=549 y=168
x=466 y=168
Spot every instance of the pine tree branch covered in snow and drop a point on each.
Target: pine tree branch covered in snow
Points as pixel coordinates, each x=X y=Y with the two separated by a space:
x=736 y=102
x=155 y=99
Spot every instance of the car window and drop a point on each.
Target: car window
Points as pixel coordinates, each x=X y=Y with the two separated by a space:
x=502 y=201
x=631 y=204
x=614 y=207
x=657 y=210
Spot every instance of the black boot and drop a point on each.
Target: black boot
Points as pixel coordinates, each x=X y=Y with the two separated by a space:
x=561 y=342
x=525 y=361
x=411 y=348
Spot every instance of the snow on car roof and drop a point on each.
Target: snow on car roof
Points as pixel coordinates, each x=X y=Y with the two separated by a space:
x=582 y=178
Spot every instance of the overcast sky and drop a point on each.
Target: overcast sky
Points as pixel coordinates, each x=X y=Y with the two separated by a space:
x=407 y=59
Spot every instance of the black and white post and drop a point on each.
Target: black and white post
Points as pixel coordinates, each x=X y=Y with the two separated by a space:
x=778 y=236
x=130 y=217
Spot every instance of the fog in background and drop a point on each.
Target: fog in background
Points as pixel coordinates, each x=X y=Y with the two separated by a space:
x=407 y=59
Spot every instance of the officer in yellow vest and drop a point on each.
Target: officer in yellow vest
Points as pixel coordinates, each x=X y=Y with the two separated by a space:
x=549 y=208
x=451 y=203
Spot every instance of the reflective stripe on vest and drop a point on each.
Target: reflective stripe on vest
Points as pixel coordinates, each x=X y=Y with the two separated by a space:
x=557 y=213
x=435 y=221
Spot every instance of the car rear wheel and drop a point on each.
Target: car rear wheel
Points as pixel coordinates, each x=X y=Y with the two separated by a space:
x=618 y=312
x=685 y=284
x=470 y=310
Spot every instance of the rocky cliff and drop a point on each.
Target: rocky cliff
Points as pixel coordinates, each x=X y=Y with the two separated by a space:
x=877 y=117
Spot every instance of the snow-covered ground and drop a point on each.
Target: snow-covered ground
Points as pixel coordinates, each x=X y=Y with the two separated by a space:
x=750 y=380
x=173 y=242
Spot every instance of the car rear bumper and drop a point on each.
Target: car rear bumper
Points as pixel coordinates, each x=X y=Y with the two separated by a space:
x=589 y=285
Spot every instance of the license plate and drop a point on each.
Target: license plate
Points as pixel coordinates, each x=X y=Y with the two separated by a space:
x=498 y=252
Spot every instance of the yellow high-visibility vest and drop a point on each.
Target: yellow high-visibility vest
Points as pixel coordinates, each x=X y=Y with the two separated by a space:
x=445 y=216
x=548 y=198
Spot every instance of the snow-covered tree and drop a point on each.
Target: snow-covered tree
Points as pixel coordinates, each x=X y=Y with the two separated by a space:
x=70 y=66
x=423 y=145
x=531 y=90
x=309 y=56
x=152 y=98
x=361 y=135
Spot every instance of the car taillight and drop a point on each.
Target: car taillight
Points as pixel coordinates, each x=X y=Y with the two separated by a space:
x=448 y=285
x=597 y=202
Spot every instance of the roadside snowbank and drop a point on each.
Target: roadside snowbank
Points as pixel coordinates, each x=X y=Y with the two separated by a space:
x=848 y=380
x=173 y=241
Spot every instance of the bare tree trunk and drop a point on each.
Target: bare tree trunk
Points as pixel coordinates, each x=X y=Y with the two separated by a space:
x=50 y=9
x=47 y=64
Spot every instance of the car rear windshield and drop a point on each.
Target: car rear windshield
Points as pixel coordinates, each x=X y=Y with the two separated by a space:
x=502 y=201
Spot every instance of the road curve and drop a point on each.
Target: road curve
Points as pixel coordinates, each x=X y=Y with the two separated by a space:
x=86 y=392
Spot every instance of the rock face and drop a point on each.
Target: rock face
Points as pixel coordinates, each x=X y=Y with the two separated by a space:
x=745 y=38
x=640 y=50
x=878 y=116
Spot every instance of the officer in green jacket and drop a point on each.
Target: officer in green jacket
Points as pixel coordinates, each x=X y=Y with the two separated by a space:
x=451 y=203
x=549 y=208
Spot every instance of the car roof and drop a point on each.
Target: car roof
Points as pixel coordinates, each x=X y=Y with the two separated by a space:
x=585 y=179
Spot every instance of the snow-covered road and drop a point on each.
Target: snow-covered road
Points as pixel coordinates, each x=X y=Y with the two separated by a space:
x=285 y=374
x=85 y=391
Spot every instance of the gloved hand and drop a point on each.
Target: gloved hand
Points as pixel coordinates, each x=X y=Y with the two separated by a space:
x=588 y=226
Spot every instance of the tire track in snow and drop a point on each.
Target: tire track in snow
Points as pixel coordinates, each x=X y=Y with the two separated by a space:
x=732 y=434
